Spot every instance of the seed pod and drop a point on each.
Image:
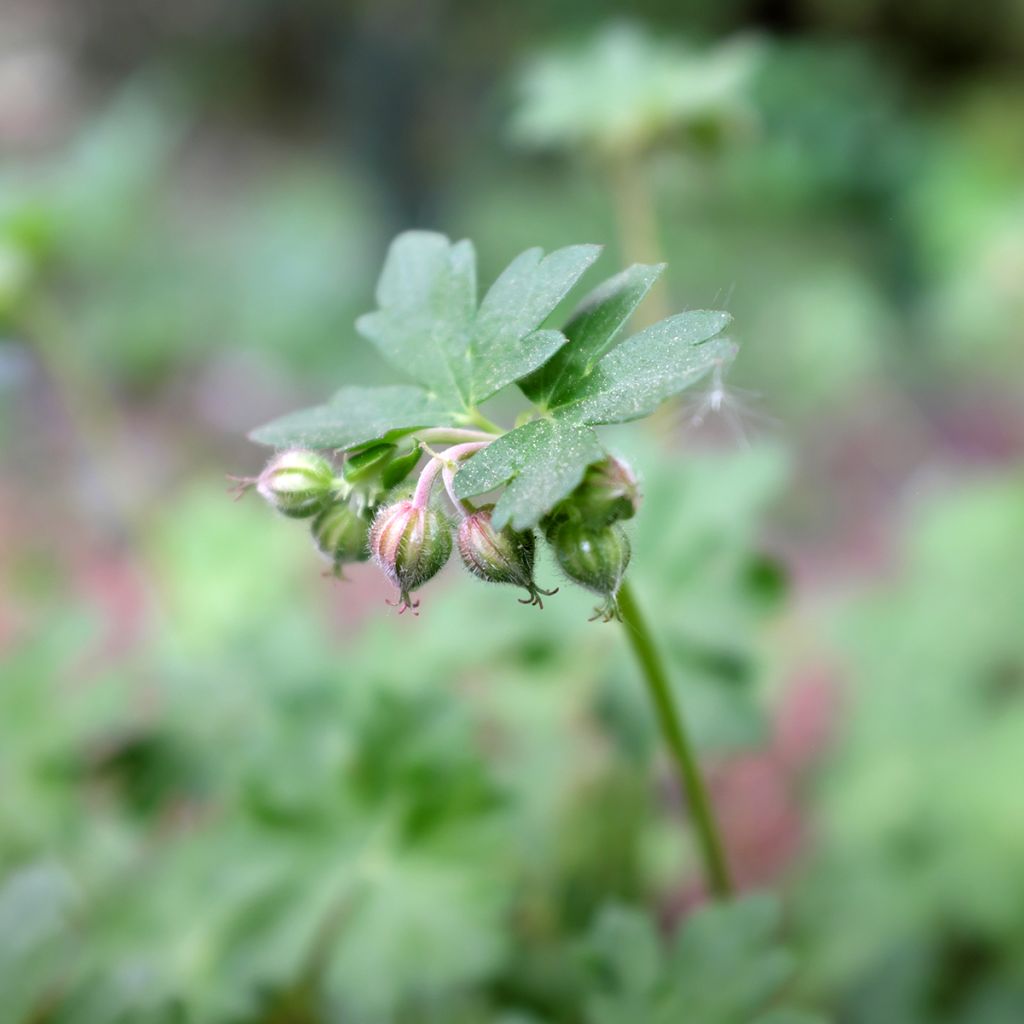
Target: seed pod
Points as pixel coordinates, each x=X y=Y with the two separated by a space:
x=342 y=535
x=594 y=557
x=297 y=482
x=411 y=545
x=500 y=556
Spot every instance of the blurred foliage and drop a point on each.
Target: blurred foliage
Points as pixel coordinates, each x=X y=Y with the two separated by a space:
x=230 y=792
x=379 y=815
x=624 y=91
x=920 y=809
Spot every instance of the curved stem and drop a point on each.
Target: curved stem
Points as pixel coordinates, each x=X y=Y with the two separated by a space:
x=425 y=484
x=451 y=435
x=478 y=419
x=673 y=730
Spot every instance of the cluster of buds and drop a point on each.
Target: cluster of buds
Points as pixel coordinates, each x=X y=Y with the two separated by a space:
x=354 y=516
x=303 y=484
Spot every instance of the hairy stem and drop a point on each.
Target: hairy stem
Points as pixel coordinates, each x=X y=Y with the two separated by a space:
x=674 y=733
x=425 y=484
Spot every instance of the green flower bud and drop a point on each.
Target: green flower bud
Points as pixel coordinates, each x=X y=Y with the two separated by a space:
x=297 y=482
x=411 y=545
x=595 y=558
x=608 y=492
x=341 y=534
x=500 y=556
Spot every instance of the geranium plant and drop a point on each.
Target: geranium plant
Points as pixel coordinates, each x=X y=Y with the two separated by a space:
x=422 y=470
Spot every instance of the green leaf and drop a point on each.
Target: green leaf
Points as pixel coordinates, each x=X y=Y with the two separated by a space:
x=638 y=375
x=542 y=460
x=524 y=295
x=427 y=300
x=591 y=330
x=725 y=967
x=625 y=947
x=428 y=327
x=626 y=88
x=355 y=415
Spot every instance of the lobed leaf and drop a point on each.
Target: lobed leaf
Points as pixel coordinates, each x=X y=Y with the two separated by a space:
x=520 y=300
x=428 y=325
x=353 y=416
x=427 y=301
x=725 y=967
x=658 y=362
x=541 y=462
x=592 y=330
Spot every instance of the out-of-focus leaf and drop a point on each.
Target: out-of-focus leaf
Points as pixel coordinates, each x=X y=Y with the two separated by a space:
x=725 y=967
x=624 y=90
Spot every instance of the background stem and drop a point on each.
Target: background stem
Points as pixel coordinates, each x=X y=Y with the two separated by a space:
x=637 y=225
x=673 y=730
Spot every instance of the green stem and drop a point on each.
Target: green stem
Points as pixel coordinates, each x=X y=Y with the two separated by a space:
x=637 y=224
x=478 y=419
x=672 y=728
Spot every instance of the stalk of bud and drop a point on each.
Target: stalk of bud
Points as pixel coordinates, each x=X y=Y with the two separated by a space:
x=298 y=483
x=594 y=557
x=500 y=556
x=411 y=543
x=341 y=534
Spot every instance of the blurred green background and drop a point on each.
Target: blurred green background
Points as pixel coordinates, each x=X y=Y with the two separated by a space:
x=234 y=791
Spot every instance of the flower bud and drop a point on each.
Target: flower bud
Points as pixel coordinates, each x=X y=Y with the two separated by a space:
x=341 y=534
x=595 y=558
x=411 y=545
x=609 y=492
x=500 y=556
x=297 y=482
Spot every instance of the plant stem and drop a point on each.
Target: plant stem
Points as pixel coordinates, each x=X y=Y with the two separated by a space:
x=478 y=419
x=451 y=435
x=673 y=730
x=637 y=223
x=425 y=484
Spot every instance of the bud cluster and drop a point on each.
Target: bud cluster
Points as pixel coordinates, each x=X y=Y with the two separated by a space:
x=304 y=484
x=356 y=514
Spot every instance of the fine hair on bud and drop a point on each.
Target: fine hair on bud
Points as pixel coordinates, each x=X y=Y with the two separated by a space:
x=595 y=557
x=411 y=544
x=341 y=534
x=500 y=556
x=297 y=482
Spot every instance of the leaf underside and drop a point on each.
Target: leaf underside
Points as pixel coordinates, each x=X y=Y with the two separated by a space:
x=353 y=416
